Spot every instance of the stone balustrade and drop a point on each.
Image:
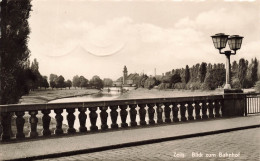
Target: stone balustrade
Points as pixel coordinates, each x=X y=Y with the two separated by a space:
x=122 y=114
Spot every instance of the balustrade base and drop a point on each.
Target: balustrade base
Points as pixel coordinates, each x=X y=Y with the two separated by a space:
x=114 y=126
x=183 y=119
x=59 y=132
x=6 y=137
x=46 y=132
x=82 y=129
x=133 y=123
x=191 y=118
x=104 y=127
x=176 y=119
x=124 y=125
x=33 y=134
x=205 y=117
x=167 y=120
x=143 y=123
x=94 y=128
x=151 y=122
x=20 y=136
x=211 y=116
x=159 y=121
x=198 y=117
x=217 y=115
x=71 y=131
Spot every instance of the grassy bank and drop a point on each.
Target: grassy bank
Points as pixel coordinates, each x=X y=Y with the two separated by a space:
x=44 y=96
x=155 y=93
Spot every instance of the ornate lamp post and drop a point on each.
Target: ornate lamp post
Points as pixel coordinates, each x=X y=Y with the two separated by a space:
x=220 y=40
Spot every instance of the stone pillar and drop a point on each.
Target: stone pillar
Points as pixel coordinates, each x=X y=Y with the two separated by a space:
x=234 y=103
x=227 y=85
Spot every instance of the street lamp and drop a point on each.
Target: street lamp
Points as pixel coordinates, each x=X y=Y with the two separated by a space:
x=220 y=40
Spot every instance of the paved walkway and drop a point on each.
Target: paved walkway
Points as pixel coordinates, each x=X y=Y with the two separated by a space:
x=76 y=144
x=244 y=144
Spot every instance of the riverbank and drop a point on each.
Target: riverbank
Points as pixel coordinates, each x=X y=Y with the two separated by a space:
x=44 y=96
x=155 y=93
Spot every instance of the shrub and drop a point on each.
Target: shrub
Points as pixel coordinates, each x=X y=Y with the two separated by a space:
x=179 y=85
x=193 y=85
x=257 y=86
x=235 y=83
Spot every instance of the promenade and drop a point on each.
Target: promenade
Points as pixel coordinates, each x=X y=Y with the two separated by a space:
x=231 y=135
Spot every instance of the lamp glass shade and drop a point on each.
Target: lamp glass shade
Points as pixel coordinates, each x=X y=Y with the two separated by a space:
x=235 y=42
x=220 y=40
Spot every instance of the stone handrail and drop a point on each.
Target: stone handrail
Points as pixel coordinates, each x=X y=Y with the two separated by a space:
x=150 y=111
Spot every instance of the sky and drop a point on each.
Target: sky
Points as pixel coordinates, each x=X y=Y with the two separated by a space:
x=91 y=37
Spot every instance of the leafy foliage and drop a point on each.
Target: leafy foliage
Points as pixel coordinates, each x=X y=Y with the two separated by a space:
x=242 y=69
x=96 y=82
x=187 y=74
x=76 y=81
x=15 y=29
x=257 y=86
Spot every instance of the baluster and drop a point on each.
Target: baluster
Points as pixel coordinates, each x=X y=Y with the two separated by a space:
x=6 y=126
x=82 y=119
x=197 y=110
x=71 y=119
x=175 y=111
x=133 y=113
x=211 y=108
x=20 y=124
x=114 y=115
x=217 y=108
x=190 y=111
x=33 y=121
x=103 y=116
x=167 y=112
x=123 y=115
x=93 y=118
x=142 y=113
x=46 y=119
x=159 y=111
x=183 y=111
x=151 y=112
x=204 y=110
x=59 y=119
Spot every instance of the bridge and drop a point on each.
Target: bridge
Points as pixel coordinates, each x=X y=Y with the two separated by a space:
x=98 y=119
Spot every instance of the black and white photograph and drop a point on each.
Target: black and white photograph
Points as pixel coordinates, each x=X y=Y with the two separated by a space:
x=130 y=80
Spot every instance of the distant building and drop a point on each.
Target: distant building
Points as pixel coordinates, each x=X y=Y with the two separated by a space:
x=127 y=80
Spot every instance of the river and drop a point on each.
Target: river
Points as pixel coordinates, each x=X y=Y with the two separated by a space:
x=111 y=94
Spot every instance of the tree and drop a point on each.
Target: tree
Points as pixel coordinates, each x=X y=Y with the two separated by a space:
x=175 y=78
x=76 y=81
x=142 y=80
x=254 y=70
x=52 y=79
x=44 y=82
x=203 y=71
x=68 y=83
x=83 y=81
x=96 y=82
x=14 y=50
x=214 y=78
x=60 y=82
x=150 y=82
x=35 y=70
x=187 y=74
x=242 y=69
x=257 y=86
x=108 y=82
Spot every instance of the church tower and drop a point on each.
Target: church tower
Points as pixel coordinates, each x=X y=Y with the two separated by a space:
x=124 y=75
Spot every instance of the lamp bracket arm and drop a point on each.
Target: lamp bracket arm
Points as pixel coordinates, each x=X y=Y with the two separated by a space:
x=221 y=52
